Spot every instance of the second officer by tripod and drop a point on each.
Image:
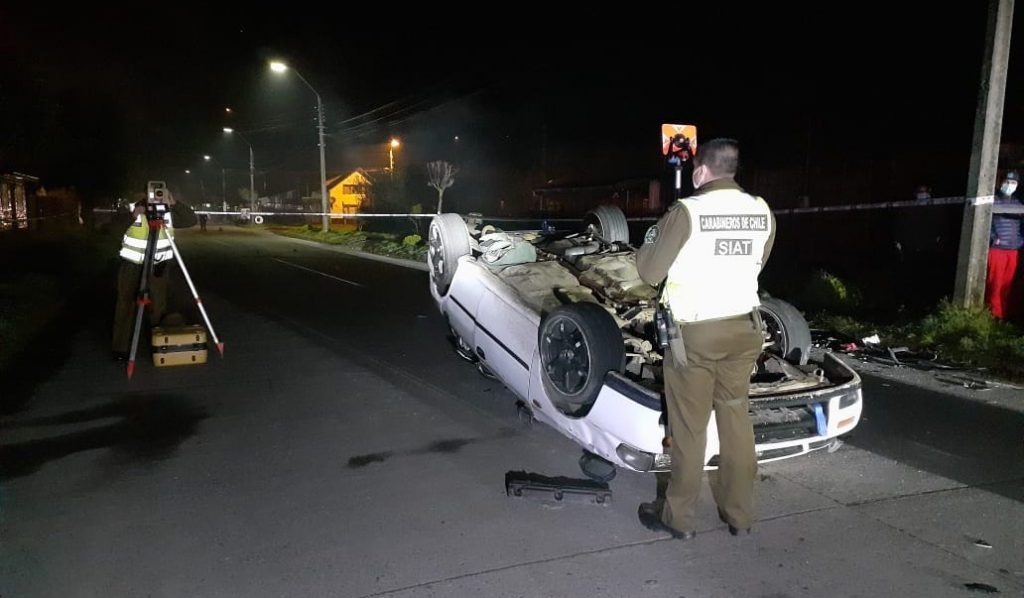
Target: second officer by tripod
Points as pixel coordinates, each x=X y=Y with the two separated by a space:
x=132 y=254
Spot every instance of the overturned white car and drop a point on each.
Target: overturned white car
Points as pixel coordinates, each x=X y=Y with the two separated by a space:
x=564 y=321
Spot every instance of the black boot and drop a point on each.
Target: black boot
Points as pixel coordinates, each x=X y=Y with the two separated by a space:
x=649 y=514
x=732 y=528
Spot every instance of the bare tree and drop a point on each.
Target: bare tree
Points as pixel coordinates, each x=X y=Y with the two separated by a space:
x=441 y=175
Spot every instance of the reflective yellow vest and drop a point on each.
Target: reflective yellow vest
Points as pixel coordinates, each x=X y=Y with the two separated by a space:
x=133 y=244
x=715 y=274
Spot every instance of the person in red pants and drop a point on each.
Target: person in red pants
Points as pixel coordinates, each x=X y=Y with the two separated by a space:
x=1005 y=242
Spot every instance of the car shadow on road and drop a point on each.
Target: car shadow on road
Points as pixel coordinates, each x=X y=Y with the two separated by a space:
x=147 y=428
x=967 y=441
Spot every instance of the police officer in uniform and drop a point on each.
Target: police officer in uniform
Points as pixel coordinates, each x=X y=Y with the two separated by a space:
x=708 y=250
x=133 y=251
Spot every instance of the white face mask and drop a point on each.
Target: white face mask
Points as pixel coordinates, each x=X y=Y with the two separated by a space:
x=1008 y=187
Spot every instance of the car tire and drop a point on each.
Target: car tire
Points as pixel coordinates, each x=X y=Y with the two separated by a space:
x=578 y=344
x=447 y=241
x=609 y=223
x=787 y=328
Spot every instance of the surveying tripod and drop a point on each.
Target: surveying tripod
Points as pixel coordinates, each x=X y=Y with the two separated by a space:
x=157 y=218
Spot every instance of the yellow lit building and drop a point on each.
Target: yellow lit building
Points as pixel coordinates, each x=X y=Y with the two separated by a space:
x=349 y=195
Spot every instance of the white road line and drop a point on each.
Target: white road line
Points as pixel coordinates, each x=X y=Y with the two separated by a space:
x=356 y=284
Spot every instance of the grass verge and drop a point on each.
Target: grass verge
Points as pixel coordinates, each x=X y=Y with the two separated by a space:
x=409 y=247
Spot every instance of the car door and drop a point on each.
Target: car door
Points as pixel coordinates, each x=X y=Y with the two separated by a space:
x=463 y=299
x=506 y=337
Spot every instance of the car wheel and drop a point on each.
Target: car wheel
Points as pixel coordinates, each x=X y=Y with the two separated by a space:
x=448 y=240
x=579 y=344
x=786 y=329
x=609 y=223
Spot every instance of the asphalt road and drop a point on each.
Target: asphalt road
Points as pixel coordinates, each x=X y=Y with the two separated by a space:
x=341 y=448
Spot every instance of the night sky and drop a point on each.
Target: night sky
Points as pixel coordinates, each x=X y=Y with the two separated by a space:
x=105 y=100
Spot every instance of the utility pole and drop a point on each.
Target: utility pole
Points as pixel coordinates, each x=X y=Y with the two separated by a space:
x=252 y=181
x=325 y=222
x=972 y=263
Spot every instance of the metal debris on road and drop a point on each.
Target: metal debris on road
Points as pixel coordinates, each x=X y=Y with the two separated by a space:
x=867 y=350
x=521 y=484
x=966 y=382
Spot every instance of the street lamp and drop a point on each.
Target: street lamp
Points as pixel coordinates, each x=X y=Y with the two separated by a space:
x=252 y=168
x=280 y=67
x=391 y=154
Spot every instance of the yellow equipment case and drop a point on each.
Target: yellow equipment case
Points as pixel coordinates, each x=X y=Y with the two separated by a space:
x=181 y=345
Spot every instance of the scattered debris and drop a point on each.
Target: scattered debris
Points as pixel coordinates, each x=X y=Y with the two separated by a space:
x=871 y=340
x=833 y=341
x=995 y=384
x=902 y=356
x=521 y=484
x=966 y=382
x=982 y=587
x=871 y=349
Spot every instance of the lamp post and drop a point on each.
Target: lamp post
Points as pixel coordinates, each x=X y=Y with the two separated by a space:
x=280 y=67
x=252 y=168
x=391 y=154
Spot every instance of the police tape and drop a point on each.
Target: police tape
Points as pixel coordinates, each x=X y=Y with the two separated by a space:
x=938 y=201
x=247 y=213
x=916 y=203
x=318 y=214
x=358 y=216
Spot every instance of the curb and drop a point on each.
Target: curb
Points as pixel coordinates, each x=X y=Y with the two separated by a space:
x=394 y=261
